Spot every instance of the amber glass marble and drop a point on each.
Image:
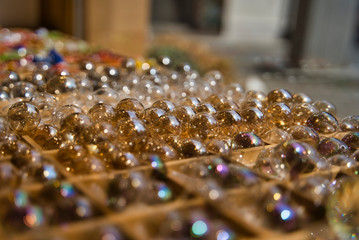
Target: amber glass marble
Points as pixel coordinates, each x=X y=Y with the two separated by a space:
x=279 y=115
x=23 y=117
x=131 y=104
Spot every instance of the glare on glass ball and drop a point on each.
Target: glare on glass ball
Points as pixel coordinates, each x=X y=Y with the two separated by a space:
x=206 y=108
x=279 y=95
x=216 y=100
x=190 y=101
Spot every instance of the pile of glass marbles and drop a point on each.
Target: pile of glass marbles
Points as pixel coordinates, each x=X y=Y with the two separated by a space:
x=124 y=144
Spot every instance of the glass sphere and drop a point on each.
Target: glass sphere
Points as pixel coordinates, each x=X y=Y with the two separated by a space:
x=301 y=98
x=302 y=111
x=4 y=94
x=350 y=123
x=63 y=112
x=279 y=115
x=47 y=105
x=332 y=146
x=206 y=108
x=164 y=104
x=102 y=112
x=152 y=113
x=352 y=140
x=9 y=76
x=22 y=158
x=191 y=148
x=325 y=106
x=61 y=84
x=342 y=209
x=228 y=118
x=106 y=95
x=279 y=96
x=24 y=90
x=47 y=136
x=189 y=101
x=234 y=92
x=246 y=140
x=214 y=78
x=253 y=120
x=166 y=124
x=218 y=146
x=252 y=103
x=304 y=134
x=77 y=128
x=129 y=64
x=184 y=113
x=131 y=104
x=256 y=95
x=132 y=128
x=203 y=125
x=275 y=136
x=299 y=157
x=23 y=117
x=323 y=123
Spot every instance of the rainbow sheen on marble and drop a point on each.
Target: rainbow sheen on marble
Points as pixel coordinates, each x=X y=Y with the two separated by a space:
x=246 y=140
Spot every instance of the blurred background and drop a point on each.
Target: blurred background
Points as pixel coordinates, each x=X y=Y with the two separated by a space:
x=309 y=46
